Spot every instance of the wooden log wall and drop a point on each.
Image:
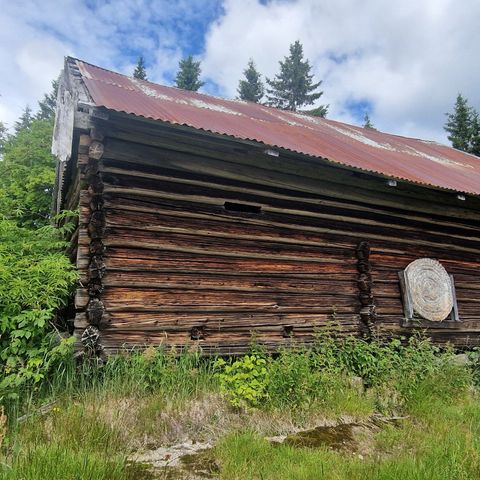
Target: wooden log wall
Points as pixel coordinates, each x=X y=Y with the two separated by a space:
x=182 y=247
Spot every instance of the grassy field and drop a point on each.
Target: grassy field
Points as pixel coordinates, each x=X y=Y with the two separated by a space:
x=96 y=419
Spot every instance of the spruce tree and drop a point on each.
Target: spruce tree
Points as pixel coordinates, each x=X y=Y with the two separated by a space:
x=293 y=87
x=367 y=123
x=188 y=75
x=140 y=71
x=459 y=124
x=25 y=120
x=475 y=134
x=48 y=105
x=251 y=89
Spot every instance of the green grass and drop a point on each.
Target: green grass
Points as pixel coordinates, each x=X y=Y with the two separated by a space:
x=445 y=444
x=157 y=397
x=57 y=462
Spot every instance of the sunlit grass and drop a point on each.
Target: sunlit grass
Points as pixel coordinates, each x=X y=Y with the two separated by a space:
x=100 y=416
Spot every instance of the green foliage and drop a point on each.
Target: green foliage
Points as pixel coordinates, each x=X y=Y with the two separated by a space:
x=320 y=111
x=251 y=89
x=48 y=104
x=140 y=71
x=25 y=120
x=178 y=373
x=27 y=175
x=475 y=138
x=245 y=380
x=298 y=377
x=463 y=127
x=474 y=364
x=293 y=87
x=3 y=137
x=188 y=75
x=56 y=462
x=367 y=123
x=35 y=280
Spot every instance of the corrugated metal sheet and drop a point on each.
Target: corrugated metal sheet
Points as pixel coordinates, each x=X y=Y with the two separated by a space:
x=399 y=157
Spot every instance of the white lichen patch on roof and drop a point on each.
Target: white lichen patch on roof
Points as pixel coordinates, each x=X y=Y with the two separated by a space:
x=151 y=92
x=196 y=102
x=442 y=160
x=307 y=118
x=356 y=135
x=286 y=118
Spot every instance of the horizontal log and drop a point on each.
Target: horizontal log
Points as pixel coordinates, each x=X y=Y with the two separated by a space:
x=149 y=300
x=363 y=185
x=286 y=199
x=344 y=230
x=188 y=281
x=223 y=224
x=222 y=247
x=216 y=320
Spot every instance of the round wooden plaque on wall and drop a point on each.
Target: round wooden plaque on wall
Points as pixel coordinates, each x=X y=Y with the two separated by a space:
x=430 y=289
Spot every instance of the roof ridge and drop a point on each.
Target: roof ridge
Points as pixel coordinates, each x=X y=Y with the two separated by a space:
x=406 y=158
x=269 y=107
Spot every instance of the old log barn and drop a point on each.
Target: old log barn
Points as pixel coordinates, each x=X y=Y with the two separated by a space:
x=204 y=220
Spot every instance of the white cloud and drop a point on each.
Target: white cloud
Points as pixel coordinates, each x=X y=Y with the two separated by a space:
x=409 y=59
x=35 y=35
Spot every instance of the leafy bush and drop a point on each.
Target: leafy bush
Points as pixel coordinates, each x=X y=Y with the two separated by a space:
x=298 y=376
x=474 y=359
x=35 y=280
x=244 y=381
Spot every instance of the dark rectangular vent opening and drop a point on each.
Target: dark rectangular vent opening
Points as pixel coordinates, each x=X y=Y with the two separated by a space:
x=242 y=207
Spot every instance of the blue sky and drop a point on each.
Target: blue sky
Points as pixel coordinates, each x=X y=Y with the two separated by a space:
x=404 y=62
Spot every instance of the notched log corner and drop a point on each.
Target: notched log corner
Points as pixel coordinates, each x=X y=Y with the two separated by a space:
x=95 y=150
x=91 y=342
x=95 y=312
x=364 y=282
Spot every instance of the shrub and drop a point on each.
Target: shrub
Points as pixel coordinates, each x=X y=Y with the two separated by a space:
x=298 y=377
x=474 y=364
x=244 y=381
x=35 y=280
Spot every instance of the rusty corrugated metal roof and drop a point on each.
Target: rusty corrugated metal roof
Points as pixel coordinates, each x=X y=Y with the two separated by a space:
x=398 y=157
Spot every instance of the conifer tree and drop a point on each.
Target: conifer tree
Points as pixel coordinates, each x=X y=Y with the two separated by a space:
x=140 y=71
x=48 y=105
x=367 y=123
x=251 y=89
x=459 y=124
x=475 y=135
x=25 y=120
x=293 y=87
x=188 y=75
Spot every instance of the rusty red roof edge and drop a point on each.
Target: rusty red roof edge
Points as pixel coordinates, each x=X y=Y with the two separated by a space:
x=132 y=100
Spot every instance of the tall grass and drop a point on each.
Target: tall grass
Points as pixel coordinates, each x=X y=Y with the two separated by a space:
x=99 y=414
x=175 y=374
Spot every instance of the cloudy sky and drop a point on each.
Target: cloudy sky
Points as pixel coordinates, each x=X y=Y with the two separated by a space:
x=403 y=62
